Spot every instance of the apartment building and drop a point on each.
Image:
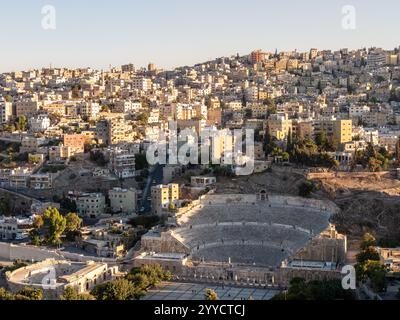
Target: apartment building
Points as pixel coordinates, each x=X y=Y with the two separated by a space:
x=91 y=205
x=14 y=228
x=142 y=84
x=234 y=105
x=162 y=196
x=113 y=131
x=75 y=142
x=202 y=182
x=257 y=56
x=123 y=200
x=19 y=177
x=313 y=53
x=303 y=129
x=124 y=106
x=340 y=131
x=128 y=68
x=39 y=123
x=376 y=119
x=27 y=108
x=41 y=181
x=31 y=144
x=258 y=110
x=279 y=126
x=357 y=111
x=122 y=163
x=89 y=109
x=6 y=112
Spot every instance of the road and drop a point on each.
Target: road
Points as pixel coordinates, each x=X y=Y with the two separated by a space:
x=155 y=177
x=20 y=192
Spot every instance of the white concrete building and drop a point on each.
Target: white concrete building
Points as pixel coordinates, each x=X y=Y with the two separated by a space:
x=14 y=228
x=40 y=123
x=6 y=112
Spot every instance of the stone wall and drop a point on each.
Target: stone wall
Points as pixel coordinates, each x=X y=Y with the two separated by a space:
x=283 y=276
x=330 y=175
x=239 y=275
x=12 y=252
x=164 y=243
x=324 y=249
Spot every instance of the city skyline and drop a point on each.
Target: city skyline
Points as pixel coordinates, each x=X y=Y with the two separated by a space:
x=176 y=33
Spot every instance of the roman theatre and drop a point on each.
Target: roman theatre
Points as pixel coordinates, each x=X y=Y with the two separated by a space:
x=257 y=238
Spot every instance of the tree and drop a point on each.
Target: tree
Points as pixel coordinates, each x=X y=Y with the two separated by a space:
x=268 y=141
x=73 y=222
x=375 y=271
x=285 y=156
x=121 y=289
x=315 y=290
x=369 y=265
x=210 y=295
x=18 y=263
x=24 y=294
x=71 y=294
x=141 y=162
x=398 y=151
x=6 y=295
x=29 y=294
x=6 y=205
x=271 y=105
x=154 y=273
x=22 y=123
x=143 y=118
x=306 y=152
x=145 y=221
x=306 y=188
x=171 y=207
x=369 y=254
x=289 y=146
x=378 y=279
x=368 y=241
x=98 y=157
x=54 y=225
x=140 y=280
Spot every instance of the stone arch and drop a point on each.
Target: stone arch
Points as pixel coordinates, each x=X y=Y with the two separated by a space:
x=262 y=195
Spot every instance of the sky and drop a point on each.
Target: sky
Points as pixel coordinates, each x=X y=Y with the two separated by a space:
x=172 y=33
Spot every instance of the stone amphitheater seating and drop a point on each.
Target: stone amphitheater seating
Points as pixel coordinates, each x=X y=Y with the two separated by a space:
x=257 y=233
x=302 y=217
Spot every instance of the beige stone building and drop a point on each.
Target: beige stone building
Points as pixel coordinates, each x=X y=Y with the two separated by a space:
x=113 y=131
x=26 y=108
x=123 y=200
x=340 y=131
x=279 y=126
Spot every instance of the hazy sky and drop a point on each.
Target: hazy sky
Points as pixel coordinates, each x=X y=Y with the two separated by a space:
x=171 y=33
